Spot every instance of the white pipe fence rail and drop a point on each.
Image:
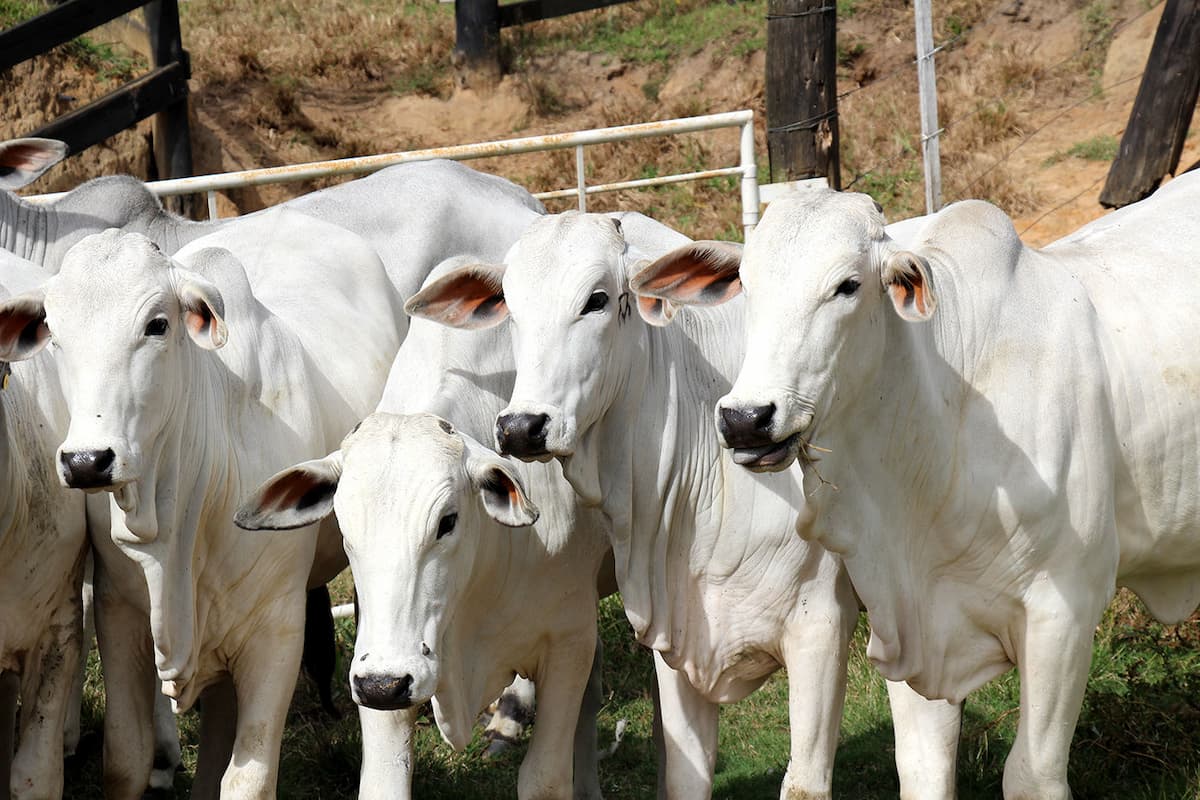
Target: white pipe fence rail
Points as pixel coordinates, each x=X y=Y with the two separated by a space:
x=746 y=167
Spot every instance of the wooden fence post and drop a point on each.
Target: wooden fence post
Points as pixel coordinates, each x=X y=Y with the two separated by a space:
x=172 y=133
x=802 y=123
x=477 y=37
x=1166 y=98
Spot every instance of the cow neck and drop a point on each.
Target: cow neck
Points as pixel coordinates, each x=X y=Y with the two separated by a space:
x=660 y=450
x=16 y=462
x=191 y=489
x=855 y=489
x=26 y=229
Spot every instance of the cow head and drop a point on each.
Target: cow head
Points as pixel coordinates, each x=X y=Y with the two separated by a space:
x=576 y=335
x=819 y=274
x=123 y=319
x=414 y=500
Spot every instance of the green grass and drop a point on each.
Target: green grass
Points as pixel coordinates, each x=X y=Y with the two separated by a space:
x=1099 y=148
x=1136 y=738
x=676 y=30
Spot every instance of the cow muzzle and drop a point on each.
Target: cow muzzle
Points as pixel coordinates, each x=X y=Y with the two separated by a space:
x=522 y=435
x=383 y=692
x=87 y=469
x=749 y=430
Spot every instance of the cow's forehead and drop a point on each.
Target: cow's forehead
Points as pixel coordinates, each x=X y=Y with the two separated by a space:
x=419 y=449
x=813 y=229
x=566 y=247
x=111 y=265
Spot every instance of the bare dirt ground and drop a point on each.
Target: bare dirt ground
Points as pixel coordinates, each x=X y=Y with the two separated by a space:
x=1017 y=92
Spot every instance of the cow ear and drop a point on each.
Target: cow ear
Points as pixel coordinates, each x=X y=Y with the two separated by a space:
x=655 y=310
x=203 y=310
x=469 y=297
x=297 y=496
x=700 y=273
x=906 y=278
x=501 y=490
x=23 y=330
x=22 y=161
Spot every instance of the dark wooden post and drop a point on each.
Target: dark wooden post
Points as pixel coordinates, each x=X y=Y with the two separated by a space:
x=802 y=123
x=172 y=134
x=477 y=37
x=1166 y=98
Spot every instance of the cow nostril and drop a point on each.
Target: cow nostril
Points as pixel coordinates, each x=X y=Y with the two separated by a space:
x=105 y=459
x=761 y=415
x=537 y=427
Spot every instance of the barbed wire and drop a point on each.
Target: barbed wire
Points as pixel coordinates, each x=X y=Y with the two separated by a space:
x=910 y=153
x=1062 y=205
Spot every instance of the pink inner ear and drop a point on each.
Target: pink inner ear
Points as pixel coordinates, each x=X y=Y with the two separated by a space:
x=287 y=491
x=26 y=156
x=13 y=324
x=198 y=319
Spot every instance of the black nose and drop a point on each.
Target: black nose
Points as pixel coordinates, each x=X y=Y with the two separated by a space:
x=88 y=469
x=521 y=435
x=384 y=692
x=746 y=427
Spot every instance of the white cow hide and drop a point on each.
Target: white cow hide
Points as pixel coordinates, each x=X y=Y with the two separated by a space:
x=711 y=574
x=199 y=376
x=1000 y=468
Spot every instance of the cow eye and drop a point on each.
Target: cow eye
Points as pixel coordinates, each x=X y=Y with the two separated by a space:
x=597 y=302
x=156 y=327
x=847 y=287
x=446 y=526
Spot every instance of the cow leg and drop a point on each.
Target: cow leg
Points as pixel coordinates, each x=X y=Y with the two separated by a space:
x=514 y=711
x=1053 y=656
x=264 y=677
x=587 y=755
x=387 y=754
x=167 y=752
x=10 y=692
x=926 y=743
x=130 y=683
x=74 y=726
x=689 y=730
x=37 y=769
x=815 y=651
x=218 y=727
x=561 y=679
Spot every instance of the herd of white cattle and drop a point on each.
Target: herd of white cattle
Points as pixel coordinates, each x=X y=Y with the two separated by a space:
x=975 y=441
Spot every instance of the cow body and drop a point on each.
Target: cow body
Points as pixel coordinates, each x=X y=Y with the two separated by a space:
x=468 y=603
x=1000 y=468
x=711 y=574
x=42 y=549
x=189 y=429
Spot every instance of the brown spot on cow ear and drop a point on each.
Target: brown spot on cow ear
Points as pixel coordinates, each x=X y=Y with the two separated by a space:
x=907 y=279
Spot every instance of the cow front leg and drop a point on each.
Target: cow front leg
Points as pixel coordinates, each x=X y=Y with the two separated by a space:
x=10 y=693
x=815 y=649
x=37 y=770
x=264 y=677
x=1053 y=657
x=926 y=734
x=689 y=736
x=218 y=727
x=587 y=755
x=387 y=754
x=130 y=683
x=167 y=751
x=561 y=680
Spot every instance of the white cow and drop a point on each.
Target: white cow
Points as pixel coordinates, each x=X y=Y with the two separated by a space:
x=415 y=215
x=484 y=623
x=1000 y=468
x=43 y=543
x=711 y=574
x=190 y=381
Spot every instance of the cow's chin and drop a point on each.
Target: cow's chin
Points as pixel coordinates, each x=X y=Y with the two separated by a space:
x=773 y=457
